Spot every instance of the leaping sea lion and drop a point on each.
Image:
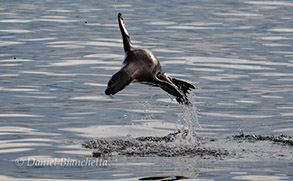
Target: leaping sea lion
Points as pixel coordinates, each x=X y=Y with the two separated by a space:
x=141 y=65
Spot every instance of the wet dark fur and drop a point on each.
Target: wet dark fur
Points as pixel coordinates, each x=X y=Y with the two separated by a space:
x=141 y=65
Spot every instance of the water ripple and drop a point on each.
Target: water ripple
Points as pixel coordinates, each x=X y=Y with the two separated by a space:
x=57 y=57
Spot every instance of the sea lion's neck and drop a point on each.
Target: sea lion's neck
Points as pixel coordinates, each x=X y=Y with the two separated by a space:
x=125 y=36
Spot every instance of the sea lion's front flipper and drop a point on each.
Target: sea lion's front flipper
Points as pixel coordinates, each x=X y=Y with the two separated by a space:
x=167 y=85
x=125 y=36
x=118 y=82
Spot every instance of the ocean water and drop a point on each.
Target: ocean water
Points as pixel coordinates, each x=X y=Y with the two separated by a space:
x=56 y=58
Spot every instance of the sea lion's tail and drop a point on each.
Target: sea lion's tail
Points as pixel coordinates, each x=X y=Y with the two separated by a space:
x=125 y=36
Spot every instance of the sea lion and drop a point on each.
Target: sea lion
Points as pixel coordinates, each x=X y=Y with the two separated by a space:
x=141 y=65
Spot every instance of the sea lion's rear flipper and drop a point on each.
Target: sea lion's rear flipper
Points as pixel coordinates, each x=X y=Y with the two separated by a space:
x=167 y=85
x=182 y=85
x=125 y=36
x=118 y=81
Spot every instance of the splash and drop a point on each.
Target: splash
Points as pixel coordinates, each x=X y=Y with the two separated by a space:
x=189 y=122
x=167 y=146
x=184 y=142
x=284 y=139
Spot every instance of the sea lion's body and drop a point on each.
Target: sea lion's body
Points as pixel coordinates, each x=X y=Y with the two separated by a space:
x=144 y=64
x=141 y=65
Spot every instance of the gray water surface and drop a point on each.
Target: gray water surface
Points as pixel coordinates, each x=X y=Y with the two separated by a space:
x=56 y=58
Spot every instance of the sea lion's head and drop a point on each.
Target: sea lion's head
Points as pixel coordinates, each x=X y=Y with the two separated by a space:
x=118 y=82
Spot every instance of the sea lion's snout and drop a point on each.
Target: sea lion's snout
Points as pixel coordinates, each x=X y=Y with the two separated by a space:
x=107 y=91
x=118 y=82
x=112 y=87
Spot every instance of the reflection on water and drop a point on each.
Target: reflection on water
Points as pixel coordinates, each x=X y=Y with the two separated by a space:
x=57 y=56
